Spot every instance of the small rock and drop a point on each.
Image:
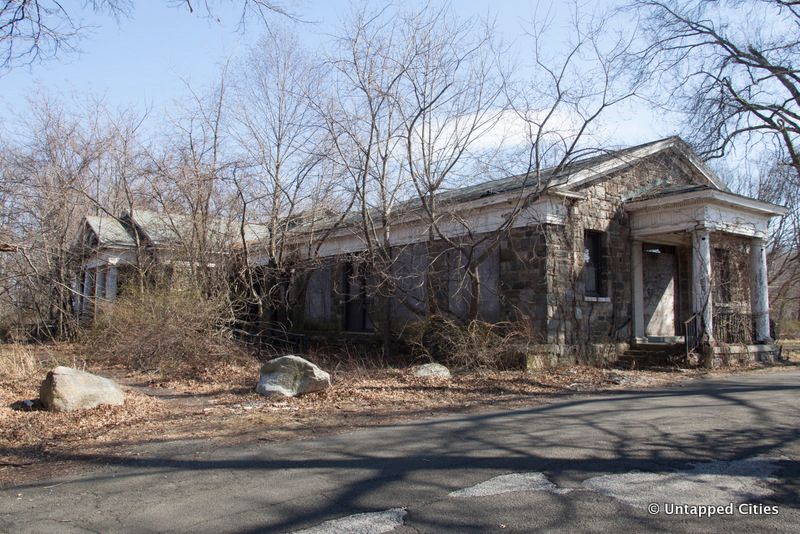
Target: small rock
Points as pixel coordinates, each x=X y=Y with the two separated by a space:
x=432 y=370
x=290 y=376
x=66 y=389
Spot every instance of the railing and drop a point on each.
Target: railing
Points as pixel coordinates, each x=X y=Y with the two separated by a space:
x=691 y=334
x=733 y=327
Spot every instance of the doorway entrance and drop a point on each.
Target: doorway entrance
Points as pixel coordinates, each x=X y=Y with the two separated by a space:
x=658 y=276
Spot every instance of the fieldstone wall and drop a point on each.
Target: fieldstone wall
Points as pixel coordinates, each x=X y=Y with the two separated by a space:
x=535 y=275
x=594 y=329
x=523 y=282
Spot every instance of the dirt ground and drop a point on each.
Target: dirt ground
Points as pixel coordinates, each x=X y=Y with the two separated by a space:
x=35 y=444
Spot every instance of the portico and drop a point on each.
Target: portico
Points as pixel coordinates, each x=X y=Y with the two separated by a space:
x=690 y=220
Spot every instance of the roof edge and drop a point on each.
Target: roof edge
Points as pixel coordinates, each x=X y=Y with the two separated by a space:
x=724 y=197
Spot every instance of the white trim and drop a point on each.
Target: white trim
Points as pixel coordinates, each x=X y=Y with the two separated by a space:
x=708 y=195
x=479 y=216
x=597 y=299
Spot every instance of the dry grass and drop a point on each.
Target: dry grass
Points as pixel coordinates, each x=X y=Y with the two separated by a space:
x=222 y=404
x=17 y=363
x=175 y=334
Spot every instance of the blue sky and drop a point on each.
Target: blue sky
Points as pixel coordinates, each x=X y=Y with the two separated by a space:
x=147 y=60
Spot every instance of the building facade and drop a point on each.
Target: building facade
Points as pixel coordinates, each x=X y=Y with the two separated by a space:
x=644 y=245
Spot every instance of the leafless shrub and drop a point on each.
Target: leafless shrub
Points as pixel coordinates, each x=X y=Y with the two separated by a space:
x=348 y=358
x=175 y=333
x=474 y=345
x=28 y=362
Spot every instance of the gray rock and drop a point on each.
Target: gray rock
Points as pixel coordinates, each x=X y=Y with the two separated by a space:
x=432 y=369
x=66 y=389
x=290 y=376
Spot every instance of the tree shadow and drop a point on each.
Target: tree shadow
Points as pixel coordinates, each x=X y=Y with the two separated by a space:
x=568 y=440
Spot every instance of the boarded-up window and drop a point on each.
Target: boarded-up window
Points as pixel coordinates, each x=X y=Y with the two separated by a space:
x=409 y=271
x=319 y=296
x=594 y=264
x=489 y=270
x=462 y=286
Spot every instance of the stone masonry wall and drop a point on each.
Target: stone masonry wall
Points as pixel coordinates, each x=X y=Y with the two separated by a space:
x=592 y=328
x=541 y=278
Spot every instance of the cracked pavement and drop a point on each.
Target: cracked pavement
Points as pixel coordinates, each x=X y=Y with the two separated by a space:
x=206 y=486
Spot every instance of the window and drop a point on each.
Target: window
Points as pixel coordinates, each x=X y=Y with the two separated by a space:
x=594 y=265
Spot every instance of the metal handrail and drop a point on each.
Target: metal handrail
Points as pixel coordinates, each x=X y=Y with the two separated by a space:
x=690 y=335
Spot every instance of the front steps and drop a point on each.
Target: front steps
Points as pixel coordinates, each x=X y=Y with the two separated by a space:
x=650 y=354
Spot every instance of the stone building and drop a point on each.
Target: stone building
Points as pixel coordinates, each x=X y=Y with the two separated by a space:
x=642 y=246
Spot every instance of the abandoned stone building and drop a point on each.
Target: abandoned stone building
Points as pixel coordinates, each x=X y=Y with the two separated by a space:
x=639 y=247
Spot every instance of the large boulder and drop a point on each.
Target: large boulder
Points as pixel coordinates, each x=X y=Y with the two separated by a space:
x=290 y=376
x=435 y=370
x=66 y=389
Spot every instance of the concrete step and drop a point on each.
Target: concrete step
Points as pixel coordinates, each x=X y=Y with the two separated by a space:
x=644 y=355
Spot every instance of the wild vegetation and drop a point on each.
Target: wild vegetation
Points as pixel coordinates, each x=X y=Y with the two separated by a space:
x=404 y=106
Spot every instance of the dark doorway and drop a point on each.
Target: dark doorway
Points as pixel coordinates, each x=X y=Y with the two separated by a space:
x=356 y=303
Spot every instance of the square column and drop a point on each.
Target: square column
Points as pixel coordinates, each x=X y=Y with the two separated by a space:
x=637 y=289
x=111 y=282
x=759 y=291
x=701 y=282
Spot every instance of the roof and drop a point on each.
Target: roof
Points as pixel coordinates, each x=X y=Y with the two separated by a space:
x=164 y=228
x=581 y=171
x=563 y=180
x=109 y=230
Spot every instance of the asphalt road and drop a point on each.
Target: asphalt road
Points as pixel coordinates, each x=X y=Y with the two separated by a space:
x=581 y=463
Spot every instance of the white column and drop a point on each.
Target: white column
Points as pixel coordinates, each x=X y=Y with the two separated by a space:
x=111 y=283
x=759 y=290
x=637 y=288
x=701 y=281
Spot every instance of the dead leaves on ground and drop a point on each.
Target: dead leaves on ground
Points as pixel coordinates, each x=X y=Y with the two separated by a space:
x=227 y=406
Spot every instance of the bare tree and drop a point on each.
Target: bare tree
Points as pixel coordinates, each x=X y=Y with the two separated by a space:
x=262 y=9
x=558 y=106
x=37 y=30
x=453 y=92
x=49 y=181
x=33 y=30
x=732 y=68
x=188 y=177
x=284 y=179
x=366 y=124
